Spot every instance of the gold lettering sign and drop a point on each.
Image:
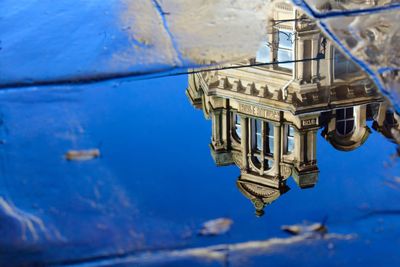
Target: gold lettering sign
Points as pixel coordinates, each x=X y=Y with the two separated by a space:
x=310 y=122
x=259 y=112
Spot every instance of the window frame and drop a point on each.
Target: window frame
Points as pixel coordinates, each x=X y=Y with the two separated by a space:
x=287 y=49
x=345 y=120
x=289 y=139
x=350 y=66
x=261 y=157
x=236 y=127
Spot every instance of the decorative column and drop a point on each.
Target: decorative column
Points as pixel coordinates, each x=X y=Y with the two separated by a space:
x=381 y=114
x=216 y=126
x=245 y=140
x=263 y=146
x=301 y=148
x=277 y=145
x=300 y=55
x=360 y=115
x=224 y=126
x=312 y=144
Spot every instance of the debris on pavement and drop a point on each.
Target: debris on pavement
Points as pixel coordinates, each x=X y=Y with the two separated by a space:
x=311 y=229
x=216 y=227
x=82 y=155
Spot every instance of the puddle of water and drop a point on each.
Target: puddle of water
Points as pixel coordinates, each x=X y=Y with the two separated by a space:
x=308 y=141
x=156 y=181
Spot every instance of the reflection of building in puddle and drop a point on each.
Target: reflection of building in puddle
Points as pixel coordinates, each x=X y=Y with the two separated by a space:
x=265 y=119
x=260 y=194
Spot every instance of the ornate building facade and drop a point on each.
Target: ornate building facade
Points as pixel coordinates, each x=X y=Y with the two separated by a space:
x=265 y=118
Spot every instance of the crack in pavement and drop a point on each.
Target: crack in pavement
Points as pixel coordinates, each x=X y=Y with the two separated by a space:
x=162 y=14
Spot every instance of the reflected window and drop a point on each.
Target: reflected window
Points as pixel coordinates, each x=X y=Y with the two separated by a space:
x=289 y=139
x=262 y=144
x=257 y=133
x=237 y=126
x=343 y=66
x=269 y=147
x=285 y=49
x=256 y=142
x=270 y=138
x=345 y=121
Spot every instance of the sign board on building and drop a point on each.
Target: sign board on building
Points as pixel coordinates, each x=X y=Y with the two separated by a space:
x=309 y=122
x=259 y=112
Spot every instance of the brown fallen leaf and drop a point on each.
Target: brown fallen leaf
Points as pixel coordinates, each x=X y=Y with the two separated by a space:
x=305 y=229
x=291 y=229
x=82 y=154
x=216 y=227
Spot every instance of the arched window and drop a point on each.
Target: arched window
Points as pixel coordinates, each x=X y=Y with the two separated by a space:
x=256 y=142
x=262 y=144
x=345 y=121
x=237 y=126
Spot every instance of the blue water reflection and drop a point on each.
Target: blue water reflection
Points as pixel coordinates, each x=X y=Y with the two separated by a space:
x=156 y=183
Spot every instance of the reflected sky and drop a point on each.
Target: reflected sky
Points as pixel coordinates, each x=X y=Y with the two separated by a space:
x=156 y=182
